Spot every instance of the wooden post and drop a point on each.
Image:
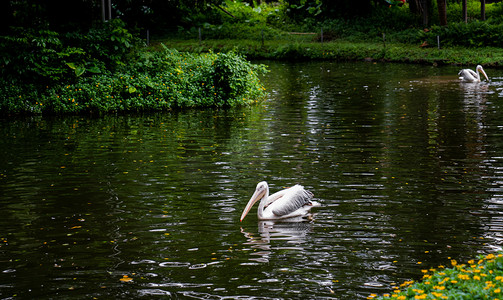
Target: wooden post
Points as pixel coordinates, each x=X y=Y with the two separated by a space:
x=148 y=37
x=384 y=39
x=109 y=9
x=199 y=29
x=438 y=42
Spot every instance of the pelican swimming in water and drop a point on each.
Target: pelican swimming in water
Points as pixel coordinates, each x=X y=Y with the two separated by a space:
x=468 y=75
x=288 y=203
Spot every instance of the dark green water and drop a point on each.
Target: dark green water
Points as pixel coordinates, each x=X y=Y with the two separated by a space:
x=406 y=162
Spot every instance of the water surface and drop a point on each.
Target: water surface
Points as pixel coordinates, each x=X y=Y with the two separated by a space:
x=406 y=161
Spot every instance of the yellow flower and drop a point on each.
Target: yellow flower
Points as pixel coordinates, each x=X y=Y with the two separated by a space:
x=463 y=277
x=498 y=290
x=444 y=280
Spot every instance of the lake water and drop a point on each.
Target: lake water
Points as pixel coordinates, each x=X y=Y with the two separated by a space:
x=406 y=161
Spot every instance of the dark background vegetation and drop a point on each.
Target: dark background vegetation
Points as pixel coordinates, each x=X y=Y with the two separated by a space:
x=162 y=15
x=52 y=43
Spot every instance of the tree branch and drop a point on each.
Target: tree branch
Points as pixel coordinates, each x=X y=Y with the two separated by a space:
x=219 y=7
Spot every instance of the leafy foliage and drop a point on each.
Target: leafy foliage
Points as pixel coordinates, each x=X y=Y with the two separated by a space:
x=159 y=80
x=472 y=34
x=48 y=57
x=478 y=279
x=36 y=55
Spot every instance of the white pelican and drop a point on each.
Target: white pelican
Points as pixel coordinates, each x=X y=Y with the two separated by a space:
x=468 y=75
x=288 y=203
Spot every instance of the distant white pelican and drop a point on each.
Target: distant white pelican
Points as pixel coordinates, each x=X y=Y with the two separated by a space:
x=288 y=203
x=468 y=75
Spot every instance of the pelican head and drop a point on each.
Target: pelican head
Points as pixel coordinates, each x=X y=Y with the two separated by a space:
x=261 y=192
x=479 y=69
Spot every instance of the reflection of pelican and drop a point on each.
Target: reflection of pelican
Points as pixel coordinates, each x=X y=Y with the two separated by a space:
x=293 y=231
x=288 y=203
x=468 y=75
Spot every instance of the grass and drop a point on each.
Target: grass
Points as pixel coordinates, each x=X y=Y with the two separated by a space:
x=305 y=48
x=477 y=279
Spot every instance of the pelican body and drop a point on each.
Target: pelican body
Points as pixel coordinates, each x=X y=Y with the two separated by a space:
x=468 y=75
x=288 y=203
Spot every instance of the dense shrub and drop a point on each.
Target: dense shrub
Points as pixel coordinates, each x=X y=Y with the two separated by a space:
x=471 y=34
x=36 y=55
x=151 y=81
x=47 y=57
x=108 y=42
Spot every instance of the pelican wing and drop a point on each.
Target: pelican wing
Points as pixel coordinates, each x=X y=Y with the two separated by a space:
x=291 y=200
x=468 y=75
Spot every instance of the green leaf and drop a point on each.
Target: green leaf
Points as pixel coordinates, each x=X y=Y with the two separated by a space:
x=72 y=66
x=132 y=89
x=94 y=69
x=79 y=71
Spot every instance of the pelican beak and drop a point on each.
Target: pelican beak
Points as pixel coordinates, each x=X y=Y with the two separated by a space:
x=256 y=196
x=485 y=75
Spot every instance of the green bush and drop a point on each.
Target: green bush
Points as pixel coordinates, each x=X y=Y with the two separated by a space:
x=159 y=80
x=47 y=57
x=36 y=55
x=471 y=34
x=109 y=42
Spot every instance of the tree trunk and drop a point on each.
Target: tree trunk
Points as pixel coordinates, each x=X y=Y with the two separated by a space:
x=483 y=10
x=465 y=12
x=414 y=7
x=442 y=12
x=425 y=11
